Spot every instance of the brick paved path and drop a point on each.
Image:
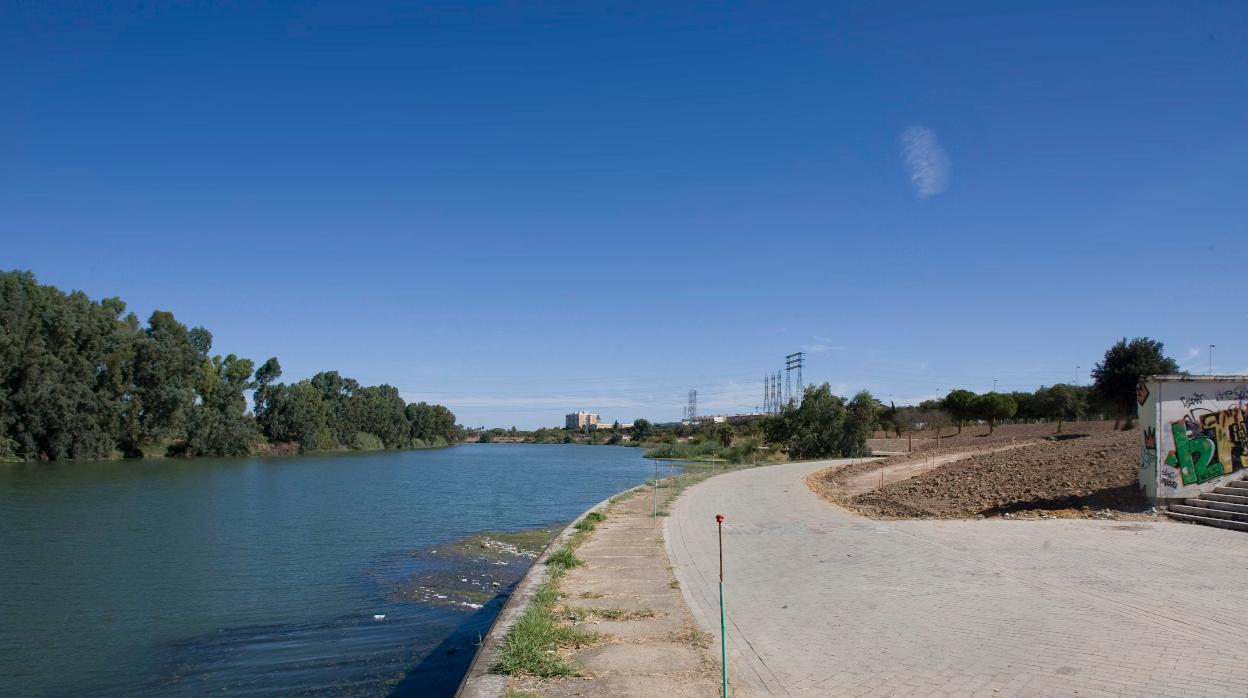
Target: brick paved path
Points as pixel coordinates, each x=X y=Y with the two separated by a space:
x=824 y=602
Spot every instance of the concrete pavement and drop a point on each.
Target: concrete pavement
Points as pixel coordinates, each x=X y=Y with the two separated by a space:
x=825 y=602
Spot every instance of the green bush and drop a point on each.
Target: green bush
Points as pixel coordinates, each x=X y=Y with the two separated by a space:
x=8 y=451
x=364 y=441
x=687 y=451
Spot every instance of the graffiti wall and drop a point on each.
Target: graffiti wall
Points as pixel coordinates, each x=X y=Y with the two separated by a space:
x=1195 y=434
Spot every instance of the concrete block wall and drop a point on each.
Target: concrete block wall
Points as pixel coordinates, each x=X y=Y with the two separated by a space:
x=1194 y=434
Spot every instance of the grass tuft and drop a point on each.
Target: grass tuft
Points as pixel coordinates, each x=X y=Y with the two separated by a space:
x=564 y=559
x=582 y=613
x=532 y=645
x=693 y=636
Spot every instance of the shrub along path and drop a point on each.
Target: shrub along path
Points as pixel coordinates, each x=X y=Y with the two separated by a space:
x=629 y=629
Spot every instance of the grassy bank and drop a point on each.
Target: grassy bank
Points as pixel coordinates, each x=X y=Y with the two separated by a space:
x=741 y=452
x=532 y=645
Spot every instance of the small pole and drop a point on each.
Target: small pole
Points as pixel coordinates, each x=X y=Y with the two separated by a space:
x=723 y=626
x=656 y=493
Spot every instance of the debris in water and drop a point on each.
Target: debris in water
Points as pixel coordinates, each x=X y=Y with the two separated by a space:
x=379 y=616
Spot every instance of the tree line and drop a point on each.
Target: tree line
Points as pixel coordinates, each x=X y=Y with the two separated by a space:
x=1111 y=395
x=823 y=425
x=84 y=379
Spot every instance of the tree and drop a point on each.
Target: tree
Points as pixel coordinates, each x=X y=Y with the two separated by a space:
x=936 y=419
x=85 y=379
x=1030 y=407
x=642 y=429
x=724 y=433
x=268 y=372
x=1060 y=402
x=296 y=413
x=817 y=424
x=994 y=407
x=960 y=404
x=432 y=425
x=1116 y=378
x=860 y=423
x=218 y=423
x=167 y=361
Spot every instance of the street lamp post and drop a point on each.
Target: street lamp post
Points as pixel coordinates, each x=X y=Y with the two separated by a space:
x=1211 y=346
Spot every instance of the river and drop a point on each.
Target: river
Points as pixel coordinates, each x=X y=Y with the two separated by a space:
x=271 y=576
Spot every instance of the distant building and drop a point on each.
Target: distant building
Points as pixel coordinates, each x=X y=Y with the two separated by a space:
x=603 y=426
x=580 y=420
x=702 y=420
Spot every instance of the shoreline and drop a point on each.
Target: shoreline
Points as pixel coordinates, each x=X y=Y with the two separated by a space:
x=479 y=681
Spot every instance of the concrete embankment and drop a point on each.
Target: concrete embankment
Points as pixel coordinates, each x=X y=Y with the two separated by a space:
x=644 y=640
x=478 y=681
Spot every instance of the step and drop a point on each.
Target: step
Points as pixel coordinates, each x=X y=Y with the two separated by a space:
x=1237 y=491
x=1211 y=504
x=1229 y=498
x=1209 y=521
x=1210 y=512
x=1242 y=484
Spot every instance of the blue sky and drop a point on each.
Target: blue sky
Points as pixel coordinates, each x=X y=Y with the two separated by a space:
x=523 y=209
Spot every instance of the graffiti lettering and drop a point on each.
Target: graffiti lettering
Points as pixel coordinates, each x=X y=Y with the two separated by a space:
x=1170 y=483
x=1193 y=399
x=1141 y=393
x=1193 y=454
x=1229 y=433
x=1239 y=394
x=1150 y=438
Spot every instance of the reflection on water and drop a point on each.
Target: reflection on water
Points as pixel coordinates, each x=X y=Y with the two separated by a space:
x=270 y=576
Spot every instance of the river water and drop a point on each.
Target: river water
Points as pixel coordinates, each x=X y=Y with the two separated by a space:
x=268 y=576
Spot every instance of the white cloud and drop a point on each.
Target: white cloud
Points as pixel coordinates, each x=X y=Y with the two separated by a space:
x=925 y=161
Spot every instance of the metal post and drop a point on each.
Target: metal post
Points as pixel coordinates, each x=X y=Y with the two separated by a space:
x=723 y=626
x=656 y=492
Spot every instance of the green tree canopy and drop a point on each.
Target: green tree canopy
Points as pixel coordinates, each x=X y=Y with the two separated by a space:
x=960 y=404
x=1061 y=402
x=1117 y=376
x=642 y=429
x=994 y=407
x=84 y=379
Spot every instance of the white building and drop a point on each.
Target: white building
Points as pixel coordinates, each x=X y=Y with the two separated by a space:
x=580 y=420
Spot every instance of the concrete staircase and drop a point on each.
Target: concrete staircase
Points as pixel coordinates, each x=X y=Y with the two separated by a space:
x=1224 y=507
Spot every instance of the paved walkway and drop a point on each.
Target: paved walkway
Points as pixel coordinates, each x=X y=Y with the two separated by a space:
x=647 y=644
x=825 y=602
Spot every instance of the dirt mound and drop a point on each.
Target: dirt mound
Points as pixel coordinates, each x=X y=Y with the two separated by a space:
x=1088 y=475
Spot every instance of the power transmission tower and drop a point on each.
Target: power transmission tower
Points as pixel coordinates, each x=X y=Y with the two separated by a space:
x=691 y=412
x=788 y=385
x=793 y=362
